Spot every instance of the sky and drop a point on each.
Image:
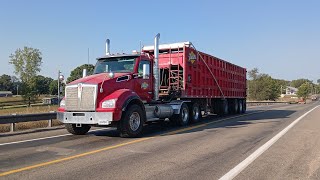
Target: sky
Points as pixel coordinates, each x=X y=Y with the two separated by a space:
x=280 y=38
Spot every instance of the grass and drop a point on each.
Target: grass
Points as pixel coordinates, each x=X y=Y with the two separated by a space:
x=28 y=110
x=28 y=125
x=13 y=98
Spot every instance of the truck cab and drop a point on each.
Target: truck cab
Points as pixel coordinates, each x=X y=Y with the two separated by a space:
x=101 y=98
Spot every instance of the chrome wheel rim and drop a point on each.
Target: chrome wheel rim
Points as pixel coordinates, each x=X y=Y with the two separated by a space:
x=134 y=121
x=185 y=115
x=196 y=112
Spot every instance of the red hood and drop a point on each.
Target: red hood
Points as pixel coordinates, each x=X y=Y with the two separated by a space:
x=96 y=78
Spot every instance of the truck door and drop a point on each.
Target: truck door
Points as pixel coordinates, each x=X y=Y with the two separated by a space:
x=143 y=85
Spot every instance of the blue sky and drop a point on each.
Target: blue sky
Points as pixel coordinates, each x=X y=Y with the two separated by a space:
x=281 y=38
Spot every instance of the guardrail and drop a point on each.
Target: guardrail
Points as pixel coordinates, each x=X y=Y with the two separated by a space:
x=260 y=103
x=16 y=118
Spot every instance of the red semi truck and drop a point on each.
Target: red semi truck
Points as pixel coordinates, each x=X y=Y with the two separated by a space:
x=169 y=81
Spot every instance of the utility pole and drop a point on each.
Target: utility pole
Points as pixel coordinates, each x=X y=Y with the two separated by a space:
x=59 y=86
x=60 y=79
x=88 y=55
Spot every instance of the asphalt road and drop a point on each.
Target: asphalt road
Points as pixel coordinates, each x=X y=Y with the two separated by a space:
x=208 y=150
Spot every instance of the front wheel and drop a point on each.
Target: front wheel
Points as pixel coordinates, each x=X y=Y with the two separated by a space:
x=132 y=121
x=73 y=129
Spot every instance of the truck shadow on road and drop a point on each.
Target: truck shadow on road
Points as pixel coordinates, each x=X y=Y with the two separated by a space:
x=210 y=122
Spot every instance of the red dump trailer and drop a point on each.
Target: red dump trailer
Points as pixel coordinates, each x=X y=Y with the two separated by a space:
x=173 y=82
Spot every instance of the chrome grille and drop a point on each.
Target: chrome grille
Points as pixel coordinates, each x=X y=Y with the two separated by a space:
x=81 y=100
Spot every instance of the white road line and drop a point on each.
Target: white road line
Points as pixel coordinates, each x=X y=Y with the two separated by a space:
x=49 y=137
x=240 y=167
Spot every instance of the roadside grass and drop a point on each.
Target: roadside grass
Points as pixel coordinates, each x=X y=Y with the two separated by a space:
x=28 y=125
x=13 y=98
x=28 y=110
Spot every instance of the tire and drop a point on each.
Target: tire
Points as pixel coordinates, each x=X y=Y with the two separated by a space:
x=71 y=128
x=195 y=113
x=240 y=111
x=244 y=106
x=234 y=106
x=224 y=107
x=131 y=123
x=182 y=119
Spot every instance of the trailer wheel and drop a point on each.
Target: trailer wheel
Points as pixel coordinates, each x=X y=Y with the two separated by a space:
x=132 y=121
x=244 y=106
x=225 y=109
x=240 y=107
x=235 y=108
x=73 y=129
x=195 y=113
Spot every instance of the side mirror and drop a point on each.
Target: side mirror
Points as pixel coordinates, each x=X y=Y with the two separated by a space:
x=146 y=71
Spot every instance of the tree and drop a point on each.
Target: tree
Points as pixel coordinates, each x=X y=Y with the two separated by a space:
x=304 y=90
x=27 y=63
x=254 y=73
x=263 y=86
x=42 y=84
x=53 y=87
x=6 y=83
x=298 y=82
x=77 y=72
x=318 y=81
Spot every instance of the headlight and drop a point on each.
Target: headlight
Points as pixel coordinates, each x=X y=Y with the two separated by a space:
x=111 y=103
x=62 y=103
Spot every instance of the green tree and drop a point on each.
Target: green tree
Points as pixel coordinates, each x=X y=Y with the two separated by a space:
x=318 y=81
x=304 y=90
x=77 y=72
x=252 y=83
x=53 y=87
x=254 y=73
x=263 y=86
x=27 y=63
x=298 y=82
x=6 y=83
x=43 y=84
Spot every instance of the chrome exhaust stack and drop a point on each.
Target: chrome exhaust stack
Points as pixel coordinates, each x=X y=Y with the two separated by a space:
x=108 y=47
x=156 y=70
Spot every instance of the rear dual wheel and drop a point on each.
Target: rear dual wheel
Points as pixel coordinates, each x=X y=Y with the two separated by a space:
x=195 y=113
x=181 y=119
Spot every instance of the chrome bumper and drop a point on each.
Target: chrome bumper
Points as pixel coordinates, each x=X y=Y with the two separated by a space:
x=98 y=118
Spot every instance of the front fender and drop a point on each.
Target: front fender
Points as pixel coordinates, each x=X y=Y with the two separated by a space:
x=124 y=97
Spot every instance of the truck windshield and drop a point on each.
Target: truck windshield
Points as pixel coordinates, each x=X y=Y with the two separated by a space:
x=116 y=64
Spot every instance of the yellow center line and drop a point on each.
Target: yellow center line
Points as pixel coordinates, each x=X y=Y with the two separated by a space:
x=119 y=145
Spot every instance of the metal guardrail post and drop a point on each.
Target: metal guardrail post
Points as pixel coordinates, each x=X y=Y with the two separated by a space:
x=12 y=127
x=50 y=123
